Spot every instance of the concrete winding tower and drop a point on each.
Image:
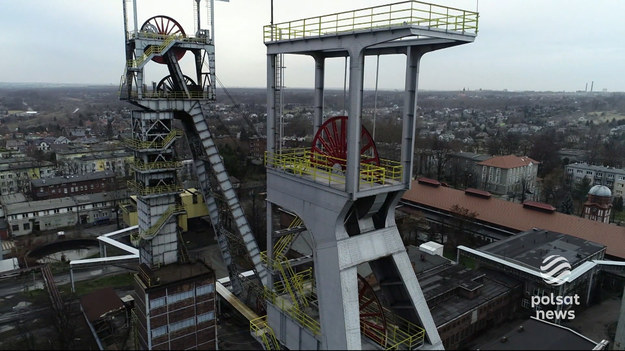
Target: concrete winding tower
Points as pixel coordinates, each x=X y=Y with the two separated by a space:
x=342 y=192
x=176 y=295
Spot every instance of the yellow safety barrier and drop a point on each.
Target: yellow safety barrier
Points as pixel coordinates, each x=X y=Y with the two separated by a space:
x=154 y=144
x=171 y=210
x=153 y=190
x=328 y=169
x=401 y=333
x=404 y=13
x=260 y=328
x=143 y=166
x=294 y=312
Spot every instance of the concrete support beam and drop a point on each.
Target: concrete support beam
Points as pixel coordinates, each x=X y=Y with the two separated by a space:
x=319 y=86
x=356 y=74
x=271 y=103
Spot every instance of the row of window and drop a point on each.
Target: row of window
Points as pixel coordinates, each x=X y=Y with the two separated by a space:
x=57 y=210
x=185 y=323
x=170 y=299
x=598 y=174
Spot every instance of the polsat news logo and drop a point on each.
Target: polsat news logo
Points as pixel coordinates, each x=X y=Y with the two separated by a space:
x=555 y=270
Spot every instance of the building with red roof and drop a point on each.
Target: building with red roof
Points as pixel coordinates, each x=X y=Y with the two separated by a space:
x=506 y=175
x=497 y=219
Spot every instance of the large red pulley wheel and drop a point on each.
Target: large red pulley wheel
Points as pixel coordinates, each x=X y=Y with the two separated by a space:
x=372 y=319
x=164 y=25
x=329 y=146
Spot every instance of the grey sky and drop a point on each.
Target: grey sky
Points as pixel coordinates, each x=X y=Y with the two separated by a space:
x=556 y=45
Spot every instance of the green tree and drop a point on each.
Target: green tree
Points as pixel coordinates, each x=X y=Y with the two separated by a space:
x=567 y=206
x=617 y=203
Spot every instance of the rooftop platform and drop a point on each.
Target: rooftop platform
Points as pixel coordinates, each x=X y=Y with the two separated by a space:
x=531 y=247
x=424 y=23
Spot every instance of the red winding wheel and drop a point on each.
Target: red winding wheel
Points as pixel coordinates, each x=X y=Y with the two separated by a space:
x=164 y=25
x=331 y=141
x=372 y=319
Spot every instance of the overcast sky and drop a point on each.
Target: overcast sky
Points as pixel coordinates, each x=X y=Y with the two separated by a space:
x=555 y=45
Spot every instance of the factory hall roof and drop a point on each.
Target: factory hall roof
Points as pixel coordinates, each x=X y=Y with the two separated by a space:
x=517 y=217
x=100 y=303
x=536 y=334
x=532 y=246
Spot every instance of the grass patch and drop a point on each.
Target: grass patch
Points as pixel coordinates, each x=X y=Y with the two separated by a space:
x=467 y=262
x=85 y=287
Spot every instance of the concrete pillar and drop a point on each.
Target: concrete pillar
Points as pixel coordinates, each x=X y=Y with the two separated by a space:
x=319 y=87
x=271 y=103
x=410 y=110
x=356 y=74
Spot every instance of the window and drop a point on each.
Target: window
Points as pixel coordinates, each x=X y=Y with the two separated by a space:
x=185 y=323
x=26 y=226
x=15 y=227
x=156 y=332
x=179 y=297
x=205 y=317
x=204 y=289
x=156 y=303
x=580 y=171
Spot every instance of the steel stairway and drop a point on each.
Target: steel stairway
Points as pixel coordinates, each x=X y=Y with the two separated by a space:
x=209 y=166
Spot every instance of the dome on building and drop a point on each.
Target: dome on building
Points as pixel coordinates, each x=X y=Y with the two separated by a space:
x=600 y=190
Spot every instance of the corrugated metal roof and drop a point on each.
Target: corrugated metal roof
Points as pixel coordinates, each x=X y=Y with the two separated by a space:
x=514 y=216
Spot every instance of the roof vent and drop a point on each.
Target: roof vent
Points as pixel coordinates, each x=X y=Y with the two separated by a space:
x=478 y=193
x=427 y=181
x=539 y=206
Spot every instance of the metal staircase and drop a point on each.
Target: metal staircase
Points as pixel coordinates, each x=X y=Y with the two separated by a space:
x=217 y=187
x=291 y=281
x=260 y=329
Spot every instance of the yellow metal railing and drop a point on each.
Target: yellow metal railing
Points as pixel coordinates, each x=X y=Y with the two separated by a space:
x=293 y=311
x=150 y=232
x=154 y=49
x=328 y=169
x=153 y=144
x=401 y=333
x=147 y=166
x=283 y=243
x=153 y=190
x=174 y=95
x=292 y=283
x=404 y=13
x=260 y=328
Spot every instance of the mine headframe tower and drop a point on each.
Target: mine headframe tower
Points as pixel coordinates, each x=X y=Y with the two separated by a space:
x=185 y=91
x=343 y=193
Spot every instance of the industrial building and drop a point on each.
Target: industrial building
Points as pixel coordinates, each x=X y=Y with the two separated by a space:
x=57 y=213
x=497 y=219
x=64 y=186
x=522 y=256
